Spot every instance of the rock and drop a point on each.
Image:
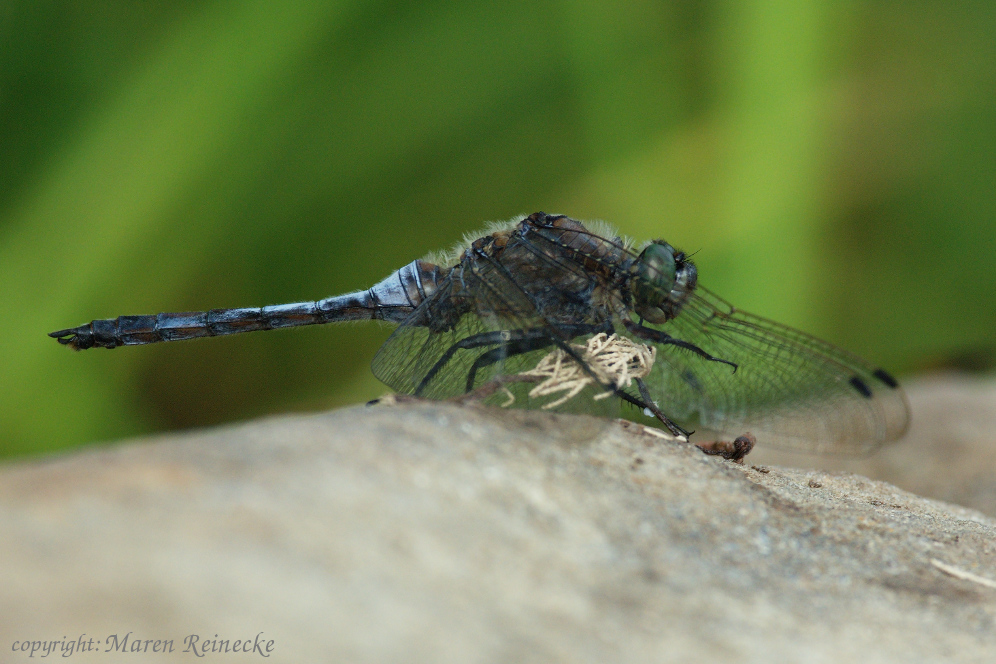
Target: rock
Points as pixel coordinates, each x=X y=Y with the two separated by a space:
x=435 y=532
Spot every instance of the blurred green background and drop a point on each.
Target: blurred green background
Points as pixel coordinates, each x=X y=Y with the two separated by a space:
x=832 y=163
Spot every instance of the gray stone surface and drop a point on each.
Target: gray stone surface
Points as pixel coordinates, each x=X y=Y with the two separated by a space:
x=434 y=532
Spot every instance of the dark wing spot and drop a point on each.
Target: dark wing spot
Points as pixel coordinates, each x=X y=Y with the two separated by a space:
x=860 y=386
x=885 y=377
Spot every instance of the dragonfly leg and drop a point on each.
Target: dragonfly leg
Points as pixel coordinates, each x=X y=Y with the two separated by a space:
x=503 y=352
x=503 y=338
x=646 y=403
x=476 y=341
x=658 y=413
x=516 y=342
x=650 y=334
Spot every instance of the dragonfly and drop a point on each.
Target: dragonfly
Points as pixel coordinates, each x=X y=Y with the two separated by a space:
x=499 y=316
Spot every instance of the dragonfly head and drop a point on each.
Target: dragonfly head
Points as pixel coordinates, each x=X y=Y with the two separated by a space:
x=664 y=278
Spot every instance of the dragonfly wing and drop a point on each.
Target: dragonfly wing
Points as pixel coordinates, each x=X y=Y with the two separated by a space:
x=422 y=356
x=790 y=389
x=480 y=320
x=501 y=318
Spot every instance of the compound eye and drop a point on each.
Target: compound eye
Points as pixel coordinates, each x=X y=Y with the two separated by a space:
x=657 y=267
x=655 y=277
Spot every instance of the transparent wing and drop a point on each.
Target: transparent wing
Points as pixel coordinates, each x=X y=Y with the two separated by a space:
x=487 y=321
x=790 y=389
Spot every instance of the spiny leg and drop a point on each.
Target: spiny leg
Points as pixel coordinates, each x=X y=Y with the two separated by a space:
x=650 y=334
x=504 y=337
x=625 y=396
x=473 y=341
x=526 y=343
x=647 y=402
x=657 y=336
x=503 y=352
x=658 y=413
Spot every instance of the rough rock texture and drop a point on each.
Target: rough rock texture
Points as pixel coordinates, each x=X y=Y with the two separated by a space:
x=434 y=532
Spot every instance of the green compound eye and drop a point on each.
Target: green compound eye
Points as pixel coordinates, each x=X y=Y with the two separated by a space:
x=656 y=272
x=655 y=276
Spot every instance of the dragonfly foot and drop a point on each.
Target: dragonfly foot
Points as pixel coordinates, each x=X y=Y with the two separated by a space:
x=658 y=413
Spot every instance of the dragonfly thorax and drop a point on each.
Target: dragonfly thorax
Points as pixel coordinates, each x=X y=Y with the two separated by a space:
x=662 y=282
